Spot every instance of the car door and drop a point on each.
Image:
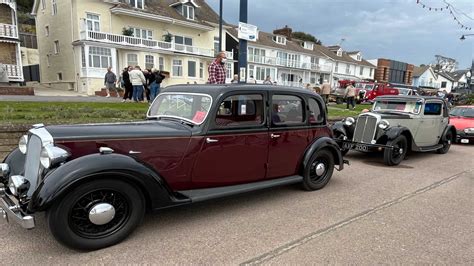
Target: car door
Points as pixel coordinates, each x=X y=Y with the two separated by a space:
x=428 y=133
x=288 y=134
x=235 y=148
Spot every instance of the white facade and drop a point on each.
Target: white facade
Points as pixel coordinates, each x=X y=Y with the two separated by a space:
x=445 y=84
x=427 y=79
x=11 y=70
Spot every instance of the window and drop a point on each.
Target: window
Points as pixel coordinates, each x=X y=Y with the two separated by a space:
x=43 y=4
x=83 y=56
x=279 y=39
x=359 y=58
x=228 y=71
x=149 y=61
x=314 y=61
x=187 y=11
x=315 y=115
x=348 y=69
x=60 y=76
x=262 y=72
x=136 y=3
x=48 y=63
x=444 y=84
x=336 y=69
x=371 y=72
x=308 y=45
x=361 y=71
x=93 y=22
x=192 y=69
x=339 y=52
x=183 y=40
x=256 y=55
x=201 y=70
x=132 y=59
x=161 y=63
x=177 y=67
x=46 y=30
x=56 y=47
x=287 y=110
x=241 y=110
x=54 y=7
x=433 y=108
x=100 y=57
x=142 y=33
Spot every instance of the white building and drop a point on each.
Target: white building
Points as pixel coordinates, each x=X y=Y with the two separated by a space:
x=11 y=69
x=424 y=76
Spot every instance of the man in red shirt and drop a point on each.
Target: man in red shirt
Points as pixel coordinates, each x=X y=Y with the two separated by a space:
x=217 y=69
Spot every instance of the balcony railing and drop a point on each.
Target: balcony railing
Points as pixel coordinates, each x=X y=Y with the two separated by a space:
x=145 y=43
x=276 y=61
x=14 y=72
x=9 y=31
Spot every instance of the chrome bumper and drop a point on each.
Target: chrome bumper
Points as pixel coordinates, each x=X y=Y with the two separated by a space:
x=12 y=212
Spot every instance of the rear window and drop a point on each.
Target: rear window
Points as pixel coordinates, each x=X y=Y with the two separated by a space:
x=240 y=110
x=287 y=110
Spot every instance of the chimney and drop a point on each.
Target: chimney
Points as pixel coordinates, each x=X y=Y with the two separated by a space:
x=286 y=31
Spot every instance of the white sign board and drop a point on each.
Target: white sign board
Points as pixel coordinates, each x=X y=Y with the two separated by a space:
x=248 y=32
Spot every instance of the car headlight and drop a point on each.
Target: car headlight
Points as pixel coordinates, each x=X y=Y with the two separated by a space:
x=23 y=143
x=469 y=130
x=16 y=184
x=51 y=155
x=349 y=121
x=384 y=124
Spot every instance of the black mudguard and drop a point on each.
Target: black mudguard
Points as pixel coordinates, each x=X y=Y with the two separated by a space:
x=324 y=143
x=16 y=162
x=453 y=131
x=339 y=127
x=64 y=178
x=393 y=132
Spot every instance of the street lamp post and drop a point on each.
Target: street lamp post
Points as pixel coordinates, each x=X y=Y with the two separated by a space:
x=463 y=37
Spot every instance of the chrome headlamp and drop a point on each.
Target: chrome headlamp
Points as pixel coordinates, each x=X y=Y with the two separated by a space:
x=469 y=130
x=51 y=155
x=23 y=144
x=349 y=121
x=384 y=124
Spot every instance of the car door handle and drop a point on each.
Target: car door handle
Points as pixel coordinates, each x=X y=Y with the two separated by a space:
x=274 y=136
x=209 y=140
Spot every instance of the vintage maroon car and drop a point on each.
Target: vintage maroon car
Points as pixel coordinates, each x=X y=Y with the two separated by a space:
x=96 y=181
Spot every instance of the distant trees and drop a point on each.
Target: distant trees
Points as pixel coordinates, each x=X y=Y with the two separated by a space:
x=305 y=37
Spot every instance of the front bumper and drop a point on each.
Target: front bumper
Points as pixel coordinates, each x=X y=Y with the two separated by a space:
x=10 y=211
x=461 y=136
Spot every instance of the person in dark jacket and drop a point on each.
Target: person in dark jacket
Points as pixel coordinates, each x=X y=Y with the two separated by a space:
x=155 y=85
x=127 y=95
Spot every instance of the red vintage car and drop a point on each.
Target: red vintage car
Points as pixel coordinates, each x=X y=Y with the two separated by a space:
x=380 y=89
x=462 y=117
x=96 y=181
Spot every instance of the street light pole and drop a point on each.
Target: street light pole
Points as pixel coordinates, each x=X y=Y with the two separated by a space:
x=220 y=27
x=243 y=44
x=463 y=37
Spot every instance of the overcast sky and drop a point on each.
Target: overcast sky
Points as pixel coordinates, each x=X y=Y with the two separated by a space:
x=394 y=29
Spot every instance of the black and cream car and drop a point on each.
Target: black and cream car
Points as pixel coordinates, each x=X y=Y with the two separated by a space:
x=396 y=125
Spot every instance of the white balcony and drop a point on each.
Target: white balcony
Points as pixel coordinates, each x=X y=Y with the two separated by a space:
x=143 y=43
x=275 y=61
x=14 y=72
x=11 y=3
x=8 y=31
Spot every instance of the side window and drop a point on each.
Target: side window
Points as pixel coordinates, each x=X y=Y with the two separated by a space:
x=315 y=114
x=240 y=110
x=287 y=110
x=433 y=108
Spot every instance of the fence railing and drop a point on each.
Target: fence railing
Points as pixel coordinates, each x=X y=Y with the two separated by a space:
x=9 y=31
x=276 y=61
x=14 y=72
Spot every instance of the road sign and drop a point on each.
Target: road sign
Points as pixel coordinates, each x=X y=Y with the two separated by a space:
x=248 y=32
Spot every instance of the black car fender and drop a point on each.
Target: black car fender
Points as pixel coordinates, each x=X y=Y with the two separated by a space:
x=393 y=132
x=61 y=180
x=324 y=143
x=339 y=127
x=448 y=129
x=16 y=162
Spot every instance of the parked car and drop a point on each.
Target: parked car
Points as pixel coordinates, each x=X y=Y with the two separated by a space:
x=200 y=142
x=462 y=117
x=380 y=89
x=407 y=90
x=396 y=125
x=363 y=88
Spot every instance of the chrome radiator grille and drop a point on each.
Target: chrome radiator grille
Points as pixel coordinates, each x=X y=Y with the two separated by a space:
x=365 y=129
x=32 y=162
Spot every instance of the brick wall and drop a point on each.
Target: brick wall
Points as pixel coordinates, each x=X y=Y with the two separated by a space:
x=8 y=53
x=383 y=70
x=5 y=14
x=9 y=136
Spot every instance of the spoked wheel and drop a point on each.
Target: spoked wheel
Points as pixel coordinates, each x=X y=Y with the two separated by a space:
x=396 y=155
x=319 y=170
x=446 y=143
x=96 y=214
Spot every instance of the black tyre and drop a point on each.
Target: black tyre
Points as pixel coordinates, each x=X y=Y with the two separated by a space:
x=341 y=137
x=319 y=170
x=96 y=214
x=446 y=143
x=396 y=155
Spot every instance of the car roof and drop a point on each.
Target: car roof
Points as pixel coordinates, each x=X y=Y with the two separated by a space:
x=408 y=97
x=215 y=90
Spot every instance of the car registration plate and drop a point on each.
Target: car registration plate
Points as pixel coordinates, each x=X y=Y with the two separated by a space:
x=358 y=147
x=464 y=141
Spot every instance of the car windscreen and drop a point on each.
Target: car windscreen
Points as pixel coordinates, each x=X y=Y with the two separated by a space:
x=369 y=87
x=463 y=112
x=191 y=107
x=412 y=107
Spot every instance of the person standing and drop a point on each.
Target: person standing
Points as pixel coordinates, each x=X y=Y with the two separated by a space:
x=217 y=69
x=155 y=85
x=235 y=79
x=350 y=95
x=325 y=91
x=110 y=80
x=252 y=80
x=137 y=79
x=268 y=80
x=127 y=95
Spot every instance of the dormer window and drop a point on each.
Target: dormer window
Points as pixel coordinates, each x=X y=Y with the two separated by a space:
x=137 y=3
x=279 y=39
x=359 y=57
x=308 y=45
x=339 y=52
x=186 y=11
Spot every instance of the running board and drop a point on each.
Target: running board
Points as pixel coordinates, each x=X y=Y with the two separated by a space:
x=430 y=148
x=203 y=194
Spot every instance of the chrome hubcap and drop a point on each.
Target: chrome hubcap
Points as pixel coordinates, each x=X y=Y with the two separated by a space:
x=320 y=168
x=101 y=213
x=400 y=151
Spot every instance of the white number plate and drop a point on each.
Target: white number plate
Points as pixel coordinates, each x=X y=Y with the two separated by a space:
x=361 y=147
x=464 y=141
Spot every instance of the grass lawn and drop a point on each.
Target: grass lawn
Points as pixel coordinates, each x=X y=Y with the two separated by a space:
x=30 y=113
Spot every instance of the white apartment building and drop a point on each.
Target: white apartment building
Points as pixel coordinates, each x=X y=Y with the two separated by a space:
x=11 y=69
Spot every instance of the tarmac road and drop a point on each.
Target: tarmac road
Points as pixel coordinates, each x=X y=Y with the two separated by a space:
x=418 y=212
